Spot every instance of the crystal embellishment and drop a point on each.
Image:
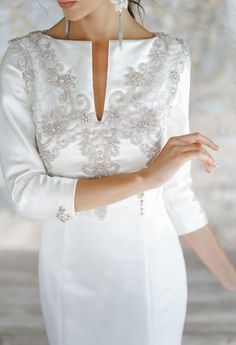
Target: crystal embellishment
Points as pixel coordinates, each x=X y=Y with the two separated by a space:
x=101 y=212
x=119 y=4
x=141 y=200
x=62 y=215
x=137 y=112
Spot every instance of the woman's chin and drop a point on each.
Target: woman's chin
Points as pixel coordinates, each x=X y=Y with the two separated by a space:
x=73 y=16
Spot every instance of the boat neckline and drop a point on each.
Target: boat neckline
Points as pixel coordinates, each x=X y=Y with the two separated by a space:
x=43 y=32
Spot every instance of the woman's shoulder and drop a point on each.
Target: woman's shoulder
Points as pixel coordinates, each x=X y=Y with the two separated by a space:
x=173 y=41
x=22 y=46
x=17 y=50
x=176 y=49
x=22 y=38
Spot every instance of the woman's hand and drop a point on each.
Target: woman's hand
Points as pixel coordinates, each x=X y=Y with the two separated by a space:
x=178 y=150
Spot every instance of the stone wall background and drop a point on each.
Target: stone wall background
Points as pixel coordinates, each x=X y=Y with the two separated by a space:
x=209 y=29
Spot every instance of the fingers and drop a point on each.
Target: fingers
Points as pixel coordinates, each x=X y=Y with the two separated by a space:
x=208 y=167
x=189 y=146
x=207 y=160
x=198 y=139
x=183 y=148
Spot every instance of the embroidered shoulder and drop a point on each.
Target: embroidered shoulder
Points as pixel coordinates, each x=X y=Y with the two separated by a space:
x=20 y=38
x=182 y=52
x=176 y=45
x=21 y=48
x=15 y=39
x=168 y=57
x=184 y=46
x=182 y=55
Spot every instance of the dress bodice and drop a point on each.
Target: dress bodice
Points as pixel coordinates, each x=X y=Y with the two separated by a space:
x=139 y=93
x=49 y=81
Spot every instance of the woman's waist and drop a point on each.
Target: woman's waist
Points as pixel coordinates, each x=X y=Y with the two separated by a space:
x=129 y=214
x=139 y=205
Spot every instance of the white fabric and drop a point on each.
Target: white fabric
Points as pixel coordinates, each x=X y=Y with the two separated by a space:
x=110 y=275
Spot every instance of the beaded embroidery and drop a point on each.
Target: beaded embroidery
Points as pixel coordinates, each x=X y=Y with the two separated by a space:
x=62 y=215
x=70 y=119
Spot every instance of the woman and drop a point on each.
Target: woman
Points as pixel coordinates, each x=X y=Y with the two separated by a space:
x=95 y=143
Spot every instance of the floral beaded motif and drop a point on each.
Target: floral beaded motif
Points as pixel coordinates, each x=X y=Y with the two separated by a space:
x=62 y=215
x=128 y=115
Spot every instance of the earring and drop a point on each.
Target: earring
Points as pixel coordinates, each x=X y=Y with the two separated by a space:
x=66 y=28
x=119 y=5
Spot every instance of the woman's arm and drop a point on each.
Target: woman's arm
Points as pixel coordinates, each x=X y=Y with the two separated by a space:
x=205 y=244
x=182 y=204
x=92 y=193
x=32 y=191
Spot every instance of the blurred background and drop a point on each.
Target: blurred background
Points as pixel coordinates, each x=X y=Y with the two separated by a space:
x=209 y=29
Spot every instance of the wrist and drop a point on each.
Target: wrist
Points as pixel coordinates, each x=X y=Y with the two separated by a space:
x=143 y=180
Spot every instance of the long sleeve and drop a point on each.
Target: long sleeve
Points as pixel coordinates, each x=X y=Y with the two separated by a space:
x=32 y=192
x=182 y=204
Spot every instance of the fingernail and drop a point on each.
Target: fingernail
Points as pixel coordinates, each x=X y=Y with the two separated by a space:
x=211 y=172
x=218 y=148
x=217 y=166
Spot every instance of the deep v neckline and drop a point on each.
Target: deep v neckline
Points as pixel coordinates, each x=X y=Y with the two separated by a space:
x=110 y=51
x=107 y=77
x=67 y=25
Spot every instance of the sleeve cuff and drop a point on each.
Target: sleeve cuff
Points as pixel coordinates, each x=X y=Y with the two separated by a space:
x=194 y=224
x=66 y=211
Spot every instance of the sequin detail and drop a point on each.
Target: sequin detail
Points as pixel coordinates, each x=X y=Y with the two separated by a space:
x=128 y=115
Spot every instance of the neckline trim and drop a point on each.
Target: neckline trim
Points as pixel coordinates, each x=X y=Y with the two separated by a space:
x=43 y=32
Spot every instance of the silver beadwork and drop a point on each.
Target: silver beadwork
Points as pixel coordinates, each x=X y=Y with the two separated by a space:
x=101 y=212
x=62 y=215
x=141 y=201
x=70 y=118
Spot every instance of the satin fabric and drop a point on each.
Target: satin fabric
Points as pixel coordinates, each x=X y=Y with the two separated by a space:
x=115 y=274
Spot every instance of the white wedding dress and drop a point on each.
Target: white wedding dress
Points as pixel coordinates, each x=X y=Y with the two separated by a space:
x=113 y=275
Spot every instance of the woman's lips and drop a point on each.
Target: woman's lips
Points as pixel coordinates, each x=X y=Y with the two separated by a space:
x=68 y=4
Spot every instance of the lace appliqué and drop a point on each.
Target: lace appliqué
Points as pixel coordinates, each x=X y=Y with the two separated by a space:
x=130 y=115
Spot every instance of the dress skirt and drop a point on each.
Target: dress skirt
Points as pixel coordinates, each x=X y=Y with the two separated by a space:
x=121 y=281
